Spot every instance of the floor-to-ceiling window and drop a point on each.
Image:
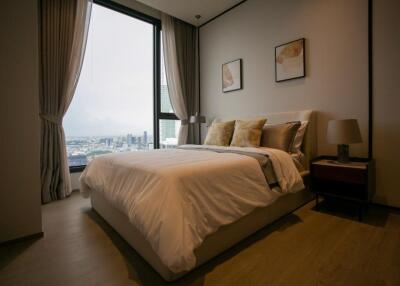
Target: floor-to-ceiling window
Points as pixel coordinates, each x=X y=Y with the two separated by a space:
x=122 y=93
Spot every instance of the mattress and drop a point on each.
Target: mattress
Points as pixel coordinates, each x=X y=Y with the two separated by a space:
x=214 y=244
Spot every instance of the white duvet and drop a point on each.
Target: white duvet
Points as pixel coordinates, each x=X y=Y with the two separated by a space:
x=178 y=197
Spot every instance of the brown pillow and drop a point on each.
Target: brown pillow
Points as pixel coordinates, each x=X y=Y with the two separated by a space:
x=279 y=136
x=220 y=133
x=299 y=137
x=247 y=133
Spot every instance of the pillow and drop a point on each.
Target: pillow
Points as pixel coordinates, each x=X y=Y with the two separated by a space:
x=298 y=139
x=248 y=133
x=220 y=133
x=280 y=136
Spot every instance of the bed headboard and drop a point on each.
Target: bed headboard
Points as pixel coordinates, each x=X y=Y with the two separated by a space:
x=309 y=146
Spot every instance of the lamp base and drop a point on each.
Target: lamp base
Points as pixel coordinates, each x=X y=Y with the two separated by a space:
x=343 y=153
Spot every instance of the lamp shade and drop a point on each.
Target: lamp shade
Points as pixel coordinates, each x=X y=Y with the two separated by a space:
x=197 y=118
x=345 y=131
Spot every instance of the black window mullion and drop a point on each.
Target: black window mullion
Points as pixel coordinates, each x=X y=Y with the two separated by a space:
x=157 y=82
x=168 y=116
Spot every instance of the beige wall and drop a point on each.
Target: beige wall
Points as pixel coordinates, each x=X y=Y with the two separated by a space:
x=337 y=70
x=336 y=84
x=19 y=123
x=387 y=100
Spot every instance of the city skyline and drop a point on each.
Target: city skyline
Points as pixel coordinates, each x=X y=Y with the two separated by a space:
x=83 y=150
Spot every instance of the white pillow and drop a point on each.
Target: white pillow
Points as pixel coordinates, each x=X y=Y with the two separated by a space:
x=298 y=138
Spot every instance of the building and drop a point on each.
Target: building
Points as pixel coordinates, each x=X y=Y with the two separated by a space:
x=145 y=138
x=165 y=101
x=129 y=139
x=167 y=127
x=77 y=160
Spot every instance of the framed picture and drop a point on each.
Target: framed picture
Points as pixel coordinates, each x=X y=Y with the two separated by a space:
x=290 y=60
x=232 y=75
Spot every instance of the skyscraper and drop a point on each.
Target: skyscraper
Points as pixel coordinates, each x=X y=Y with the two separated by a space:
x=164 y=94
x=165 y=101
x=167 y=130
x=145 y=138
x=167 y=127
x=129 y=139
x=109 y=142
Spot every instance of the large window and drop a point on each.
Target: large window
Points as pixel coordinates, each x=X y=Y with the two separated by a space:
x=122 y=96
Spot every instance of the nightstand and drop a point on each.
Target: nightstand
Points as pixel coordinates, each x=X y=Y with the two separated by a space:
x=354 y=181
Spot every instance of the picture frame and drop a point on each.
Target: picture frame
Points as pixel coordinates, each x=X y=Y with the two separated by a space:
x=290 y=59
x=232 y=76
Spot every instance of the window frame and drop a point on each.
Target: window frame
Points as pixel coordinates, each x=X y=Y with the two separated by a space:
x=157 y=114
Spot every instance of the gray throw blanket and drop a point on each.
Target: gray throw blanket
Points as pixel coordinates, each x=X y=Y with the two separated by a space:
x=263 y=160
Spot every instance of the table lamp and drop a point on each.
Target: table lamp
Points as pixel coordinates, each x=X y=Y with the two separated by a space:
x=343 y=132
x=197 y=118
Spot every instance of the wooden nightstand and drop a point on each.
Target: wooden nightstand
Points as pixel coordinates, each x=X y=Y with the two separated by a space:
x=354 y=181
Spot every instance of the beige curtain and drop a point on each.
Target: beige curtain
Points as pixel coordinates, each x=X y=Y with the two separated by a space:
x=63 y=31
x=180 y=42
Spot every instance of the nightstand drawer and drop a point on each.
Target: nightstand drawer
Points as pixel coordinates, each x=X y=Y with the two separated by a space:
x=342 y=174
x=340 y=189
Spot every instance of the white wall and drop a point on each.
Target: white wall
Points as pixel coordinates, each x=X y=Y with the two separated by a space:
x=387 y=100
x=336 y=84
x=20 y=213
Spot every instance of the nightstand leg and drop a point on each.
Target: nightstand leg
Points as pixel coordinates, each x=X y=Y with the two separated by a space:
x=360 y=211
x=316 y=201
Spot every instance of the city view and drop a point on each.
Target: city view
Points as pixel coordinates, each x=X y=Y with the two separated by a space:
x=112 y=109
x=82 y=149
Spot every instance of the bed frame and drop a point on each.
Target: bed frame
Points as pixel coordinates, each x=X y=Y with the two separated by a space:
x=227 y=235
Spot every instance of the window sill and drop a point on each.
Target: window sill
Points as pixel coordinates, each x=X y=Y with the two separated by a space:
x=76 y=169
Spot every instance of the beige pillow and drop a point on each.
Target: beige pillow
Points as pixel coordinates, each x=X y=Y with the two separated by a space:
x=248 y=133
x=220 y=133
x=279 y=136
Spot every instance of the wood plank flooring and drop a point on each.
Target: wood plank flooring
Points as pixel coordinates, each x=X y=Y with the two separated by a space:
x=308 y=247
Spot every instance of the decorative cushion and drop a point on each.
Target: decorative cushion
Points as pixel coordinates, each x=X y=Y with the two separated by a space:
x=220 y=133
x=280 y=136
x=299 y=137
x=248 y=133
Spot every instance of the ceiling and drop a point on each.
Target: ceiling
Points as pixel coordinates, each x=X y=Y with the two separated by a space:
x=187 y=9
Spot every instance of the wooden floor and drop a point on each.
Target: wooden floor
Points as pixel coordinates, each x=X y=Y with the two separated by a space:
x=304 y=248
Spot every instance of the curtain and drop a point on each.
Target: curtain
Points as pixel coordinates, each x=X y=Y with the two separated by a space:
x=63 y=33
x=180 y=43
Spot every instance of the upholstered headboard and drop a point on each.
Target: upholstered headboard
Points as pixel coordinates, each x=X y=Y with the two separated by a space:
x=309 y=146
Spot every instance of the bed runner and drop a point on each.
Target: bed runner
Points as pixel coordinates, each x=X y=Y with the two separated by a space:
x=263 y=160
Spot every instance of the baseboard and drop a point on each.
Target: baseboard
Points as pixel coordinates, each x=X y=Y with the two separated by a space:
x=385 y=206
x=24 y=238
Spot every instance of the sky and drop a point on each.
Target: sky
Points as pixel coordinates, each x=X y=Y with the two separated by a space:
x=114 y=95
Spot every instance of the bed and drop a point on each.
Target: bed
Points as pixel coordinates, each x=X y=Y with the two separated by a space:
x=208 y=238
